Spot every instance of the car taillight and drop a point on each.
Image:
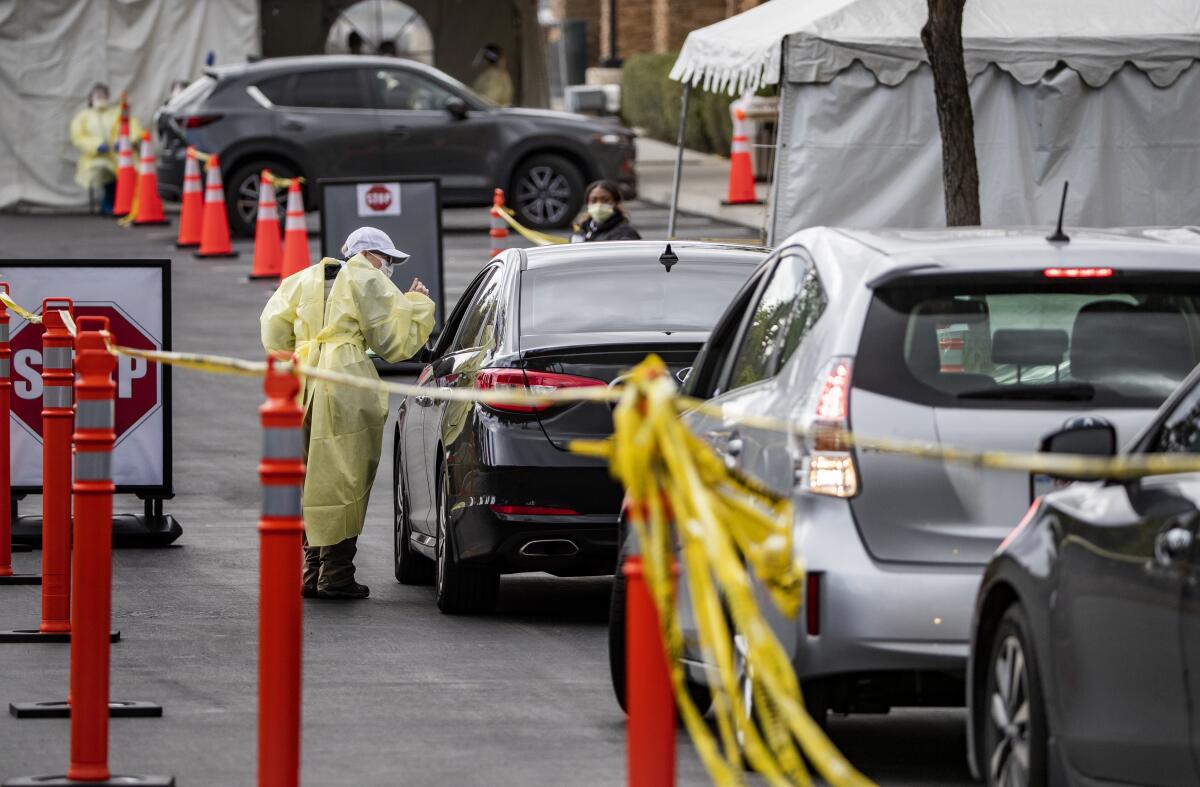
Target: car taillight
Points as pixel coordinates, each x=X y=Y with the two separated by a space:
x=533 y=510
x=829 y=467
x=196 y=121
x=531 y=381
x=812 y=604
x=1077 y=273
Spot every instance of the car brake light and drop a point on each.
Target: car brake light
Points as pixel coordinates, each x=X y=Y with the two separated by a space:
x=1077 y=273
x=196 y=121
x=1025 y=520
x=829 y=467
x=533 y=510
x=531 y=381
x=812 y=604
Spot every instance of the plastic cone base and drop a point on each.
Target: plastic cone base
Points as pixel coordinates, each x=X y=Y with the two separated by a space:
x=187 y=245
x=156 y=223
x=116 y=780
x=27 y=636
x=743 y=202
x=226 y=256
x=60 y=709
x=21 y=579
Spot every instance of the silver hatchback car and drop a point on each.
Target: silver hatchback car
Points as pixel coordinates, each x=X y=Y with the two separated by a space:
x=978 y=338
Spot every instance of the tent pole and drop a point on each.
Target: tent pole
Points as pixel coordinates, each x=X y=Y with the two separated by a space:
x=683 y=111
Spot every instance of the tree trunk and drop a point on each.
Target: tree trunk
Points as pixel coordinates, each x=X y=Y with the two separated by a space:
x=942 y=37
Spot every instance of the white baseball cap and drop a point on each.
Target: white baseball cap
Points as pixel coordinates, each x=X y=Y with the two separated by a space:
x=371 y=239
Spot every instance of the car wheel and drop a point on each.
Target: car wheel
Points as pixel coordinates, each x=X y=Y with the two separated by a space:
x=546 y=191
x=460 y=588
x=1015 y=732
x=411 y=567
x=699 y=693
x=241 y=194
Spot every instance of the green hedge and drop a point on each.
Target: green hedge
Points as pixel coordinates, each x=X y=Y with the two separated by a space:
x=650 y=101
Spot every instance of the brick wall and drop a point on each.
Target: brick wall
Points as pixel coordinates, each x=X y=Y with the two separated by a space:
x=586 y=11
x=650 y=25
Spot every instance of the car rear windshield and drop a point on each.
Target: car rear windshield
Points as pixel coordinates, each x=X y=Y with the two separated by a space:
x=611 y=297
x=1105 y=342
x=193 y=94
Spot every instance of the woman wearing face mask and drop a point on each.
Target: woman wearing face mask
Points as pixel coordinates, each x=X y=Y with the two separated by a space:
x=94 y=134
x=606 y=217
x=329 y=315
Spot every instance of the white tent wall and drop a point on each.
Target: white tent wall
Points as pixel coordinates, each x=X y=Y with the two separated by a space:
x=53 y=51
x=861 y=154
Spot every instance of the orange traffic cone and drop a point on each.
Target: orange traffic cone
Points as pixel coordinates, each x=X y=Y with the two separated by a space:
x=214 y=230
x=741 y=169
x=191 y=215
x=268 y=251
x=149 y=207
x=126 y=174
x=499 y=229
x=295 y=236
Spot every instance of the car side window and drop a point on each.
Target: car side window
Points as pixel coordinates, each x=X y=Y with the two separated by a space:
x=275 y=89
x=714 y=356
x=1180 y=432
x=790 y=303
x=406 y=90
x=330 y=89
x=478 y=324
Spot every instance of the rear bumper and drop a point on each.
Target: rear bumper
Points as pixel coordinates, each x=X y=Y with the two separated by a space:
x=584 y=544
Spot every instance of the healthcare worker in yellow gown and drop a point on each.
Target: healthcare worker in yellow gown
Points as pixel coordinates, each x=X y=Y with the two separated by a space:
x=329 y=315
x=94 y=133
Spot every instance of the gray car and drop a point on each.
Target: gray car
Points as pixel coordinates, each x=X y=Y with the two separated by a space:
x=1088 y=624
x=347 y=116
x=987 y=339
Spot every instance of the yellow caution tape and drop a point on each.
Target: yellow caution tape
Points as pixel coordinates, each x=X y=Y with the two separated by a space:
x=533 y=236
x=14 y=307
x=279 y=183
x=200 y=155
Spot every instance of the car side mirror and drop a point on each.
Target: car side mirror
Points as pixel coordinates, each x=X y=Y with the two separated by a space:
x=683 y=374
x=1086 y=435
x=456 y=107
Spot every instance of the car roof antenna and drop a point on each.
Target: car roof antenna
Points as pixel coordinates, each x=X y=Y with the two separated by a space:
x=1059 y=236
x=668 y=258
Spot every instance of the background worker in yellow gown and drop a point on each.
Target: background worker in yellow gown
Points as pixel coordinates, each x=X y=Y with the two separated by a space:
x=94 y=132
x=329 y=315
x=494 y=82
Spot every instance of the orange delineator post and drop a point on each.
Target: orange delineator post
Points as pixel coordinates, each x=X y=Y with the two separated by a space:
x=499 y=228
x=7 y=577
x=741 y=168
x=281 y=528
x=149 y=204
x=268 y=248
x=92 y=601
x=58 y=419
x=191 y=212
x=126 y=172
x=650 y=737
x=214 y=228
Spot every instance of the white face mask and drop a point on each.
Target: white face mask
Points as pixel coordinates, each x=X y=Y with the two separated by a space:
x=99 y=102
x=600 y=212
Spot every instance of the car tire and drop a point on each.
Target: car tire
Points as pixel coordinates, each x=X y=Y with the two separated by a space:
x=1014 y=692
x=699 y=693
x=460 y=588
x=241 y=194
x=411 y=567
x=546 y=191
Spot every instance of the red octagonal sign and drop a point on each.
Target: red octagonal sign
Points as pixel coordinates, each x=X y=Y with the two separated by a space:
x=378 y=198
x=136 y=378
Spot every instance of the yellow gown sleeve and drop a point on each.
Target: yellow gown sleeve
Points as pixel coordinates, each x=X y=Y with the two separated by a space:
x=394 y=324
x=83 y=135
x=278 y=319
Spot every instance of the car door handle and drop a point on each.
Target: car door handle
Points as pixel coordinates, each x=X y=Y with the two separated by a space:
x=293 y=125
x=1172 y=545
x=424 y=401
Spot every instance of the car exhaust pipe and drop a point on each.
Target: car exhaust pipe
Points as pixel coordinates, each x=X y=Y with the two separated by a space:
x=550 y=547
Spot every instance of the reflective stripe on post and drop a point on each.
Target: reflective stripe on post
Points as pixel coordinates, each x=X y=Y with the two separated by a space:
x=280 y=528
x=91 y=603
x=5 y=451
x=58 y=380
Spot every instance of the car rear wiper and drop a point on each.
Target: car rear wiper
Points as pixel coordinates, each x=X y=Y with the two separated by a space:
x=1066 y=392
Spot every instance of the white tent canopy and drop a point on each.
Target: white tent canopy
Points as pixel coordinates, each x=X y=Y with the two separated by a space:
x=859 y=144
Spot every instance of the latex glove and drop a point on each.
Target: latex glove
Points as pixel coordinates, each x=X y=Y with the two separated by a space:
x=417 y=286
x=102 y=147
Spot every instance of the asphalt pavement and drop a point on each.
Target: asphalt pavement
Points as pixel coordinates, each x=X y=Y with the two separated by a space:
x=394 y=692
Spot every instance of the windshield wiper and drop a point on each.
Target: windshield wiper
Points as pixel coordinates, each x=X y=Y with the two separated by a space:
x=1064 y=392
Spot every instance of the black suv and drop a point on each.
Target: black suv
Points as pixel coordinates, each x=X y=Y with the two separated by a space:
x=343 y=116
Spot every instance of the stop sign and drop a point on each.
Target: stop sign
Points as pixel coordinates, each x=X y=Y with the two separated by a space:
x=136 y=378
x=378 y=198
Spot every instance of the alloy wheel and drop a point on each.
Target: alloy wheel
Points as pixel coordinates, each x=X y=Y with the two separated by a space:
x=1008 y=713
x=544 y=195
x=440 y=549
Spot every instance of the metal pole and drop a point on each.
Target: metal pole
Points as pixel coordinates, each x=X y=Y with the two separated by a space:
x=683 y=111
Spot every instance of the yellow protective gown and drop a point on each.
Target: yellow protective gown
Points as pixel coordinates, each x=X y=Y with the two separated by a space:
x=365 y=309
x=89 y=129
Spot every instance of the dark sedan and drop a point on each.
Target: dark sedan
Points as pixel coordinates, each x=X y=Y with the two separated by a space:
x=345 y=116
x=482 y=491
x=1087 y=632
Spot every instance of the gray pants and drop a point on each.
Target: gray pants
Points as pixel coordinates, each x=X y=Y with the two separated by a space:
x=331 y=567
